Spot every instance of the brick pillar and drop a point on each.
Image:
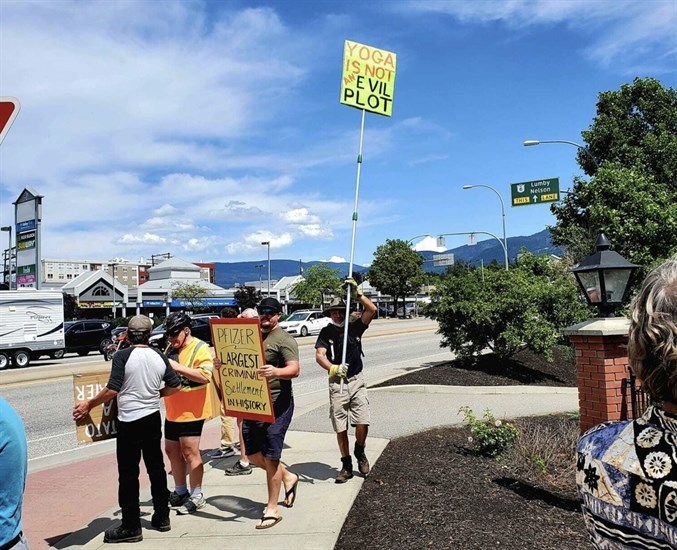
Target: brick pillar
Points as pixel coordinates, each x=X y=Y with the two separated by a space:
x=601 y=366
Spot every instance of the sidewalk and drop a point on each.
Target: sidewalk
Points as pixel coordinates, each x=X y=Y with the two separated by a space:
x=234 y=504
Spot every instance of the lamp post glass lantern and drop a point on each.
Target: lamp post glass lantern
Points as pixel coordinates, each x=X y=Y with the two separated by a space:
x=603 y=277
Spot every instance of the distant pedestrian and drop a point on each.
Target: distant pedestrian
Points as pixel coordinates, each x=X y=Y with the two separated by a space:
x=186 y=411
x=351 y=405
x=627 y=471
x=264 y=440
x=13 y=469
x=137 y=377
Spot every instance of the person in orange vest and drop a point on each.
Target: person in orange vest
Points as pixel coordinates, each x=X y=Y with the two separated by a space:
x=186 y=411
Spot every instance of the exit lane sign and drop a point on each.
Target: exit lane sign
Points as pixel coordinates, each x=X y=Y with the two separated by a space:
x=534 y=192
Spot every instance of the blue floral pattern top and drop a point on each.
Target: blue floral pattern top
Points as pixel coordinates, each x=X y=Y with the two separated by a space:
x=626 y=476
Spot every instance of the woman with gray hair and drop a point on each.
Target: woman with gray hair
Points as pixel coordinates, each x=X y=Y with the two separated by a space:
x=627 y=471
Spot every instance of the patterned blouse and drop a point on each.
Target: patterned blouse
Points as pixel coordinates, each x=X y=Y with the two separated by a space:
x=626 y=476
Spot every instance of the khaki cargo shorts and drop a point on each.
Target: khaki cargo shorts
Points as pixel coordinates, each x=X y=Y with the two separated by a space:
x=352 y=404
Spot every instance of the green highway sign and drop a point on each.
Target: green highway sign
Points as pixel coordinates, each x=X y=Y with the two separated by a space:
x=534 y=192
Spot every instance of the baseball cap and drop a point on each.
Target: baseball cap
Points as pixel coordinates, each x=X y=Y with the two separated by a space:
x=271 y=303
x=140 y=323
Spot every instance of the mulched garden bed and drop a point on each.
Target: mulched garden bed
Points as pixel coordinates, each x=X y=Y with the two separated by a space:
x=525 y=367
x=432 y=490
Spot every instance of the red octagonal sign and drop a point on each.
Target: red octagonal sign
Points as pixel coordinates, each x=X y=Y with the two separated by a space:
x=9 y=108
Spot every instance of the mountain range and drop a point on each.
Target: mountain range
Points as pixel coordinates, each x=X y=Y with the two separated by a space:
x=231 y=274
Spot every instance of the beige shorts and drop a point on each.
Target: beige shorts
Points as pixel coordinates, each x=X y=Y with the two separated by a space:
x=352 y=404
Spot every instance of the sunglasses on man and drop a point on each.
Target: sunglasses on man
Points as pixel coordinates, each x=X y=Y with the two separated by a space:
x=266 y=311
x=175 y=333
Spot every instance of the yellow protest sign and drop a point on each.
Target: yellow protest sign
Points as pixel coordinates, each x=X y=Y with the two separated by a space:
x=368 y=80
x=101 y=422
x=239 y=347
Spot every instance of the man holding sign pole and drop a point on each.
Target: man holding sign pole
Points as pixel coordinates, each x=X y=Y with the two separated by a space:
x=351 y=405
x=136 y=379
x=263 y=440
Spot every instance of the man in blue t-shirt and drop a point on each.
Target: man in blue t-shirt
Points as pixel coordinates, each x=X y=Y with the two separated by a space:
x=13 y=469
x=352 y=402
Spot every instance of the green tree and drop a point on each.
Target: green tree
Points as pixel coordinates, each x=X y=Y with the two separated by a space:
x=396 y=270
x=318 y=280
x=247 y=296
x=70 y=306
x=632 y=198
x=194 y=294
x=507 y=310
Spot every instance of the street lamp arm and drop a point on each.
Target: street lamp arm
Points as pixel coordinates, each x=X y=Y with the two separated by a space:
x=411 y=241
x=505 y=250
x=531 y=142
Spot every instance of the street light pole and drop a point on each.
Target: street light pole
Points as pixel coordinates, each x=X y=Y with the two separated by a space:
x=505 y=240
x=532 y=142
x=9 y=256
x=267 y=243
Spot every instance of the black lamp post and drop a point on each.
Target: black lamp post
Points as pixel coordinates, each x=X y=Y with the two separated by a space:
x=603 y=277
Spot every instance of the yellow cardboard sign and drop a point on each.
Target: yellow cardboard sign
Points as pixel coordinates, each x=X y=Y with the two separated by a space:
x=239 y=347
x=368 y=80
x=101 y=422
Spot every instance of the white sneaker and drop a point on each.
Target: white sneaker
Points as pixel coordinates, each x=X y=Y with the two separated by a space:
x=194 y=503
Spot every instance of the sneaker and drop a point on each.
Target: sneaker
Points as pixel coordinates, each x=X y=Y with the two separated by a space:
x=362 y=464
x=239 y=470
x=122 y=534
x=344 y=475
x=161 y=524
x=176 y=500
x=223 y=452
x=192 y=505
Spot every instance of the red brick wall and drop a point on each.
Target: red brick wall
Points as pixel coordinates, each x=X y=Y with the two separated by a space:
x=601 y=365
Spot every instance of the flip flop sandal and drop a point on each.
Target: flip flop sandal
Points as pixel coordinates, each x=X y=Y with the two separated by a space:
x=274 y=519
x=291 y=494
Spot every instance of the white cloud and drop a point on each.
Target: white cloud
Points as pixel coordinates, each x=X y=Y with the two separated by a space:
x=624 y=33
x=429 y=243
x=299 y=215
x=335 y=260
x=316 y=231
x=146 y=238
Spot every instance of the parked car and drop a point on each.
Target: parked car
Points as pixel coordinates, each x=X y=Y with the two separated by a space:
x=304 y=322
x=87 y=335
x=408 y=311
x=199 y=328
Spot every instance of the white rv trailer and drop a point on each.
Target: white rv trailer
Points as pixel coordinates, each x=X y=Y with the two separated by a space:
x=31 y=324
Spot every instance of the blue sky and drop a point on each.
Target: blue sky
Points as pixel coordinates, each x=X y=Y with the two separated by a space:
x=203 y=128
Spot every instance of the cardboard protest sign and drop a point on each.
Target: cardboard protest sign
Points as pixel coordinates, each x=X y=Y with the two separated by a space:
x=101 y=423
x=239 y=347
x=368 y=80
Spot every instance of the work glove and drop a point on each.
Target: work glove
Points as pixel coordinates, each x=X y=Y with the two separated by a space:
x=355 y=291
x=338 y=370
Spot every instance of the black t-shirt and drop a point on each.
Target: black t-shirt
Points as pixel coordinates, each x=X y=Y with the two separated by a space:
x=331 y=339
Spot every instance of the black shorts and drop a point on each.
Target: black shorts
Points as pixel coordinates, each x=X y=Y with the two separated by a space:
x=266 y=438
x=176 y=430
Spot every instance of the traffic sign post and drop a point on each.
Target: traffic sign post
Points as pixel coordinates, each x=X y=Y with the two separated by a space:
x=9 y=108
x=534 y=192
